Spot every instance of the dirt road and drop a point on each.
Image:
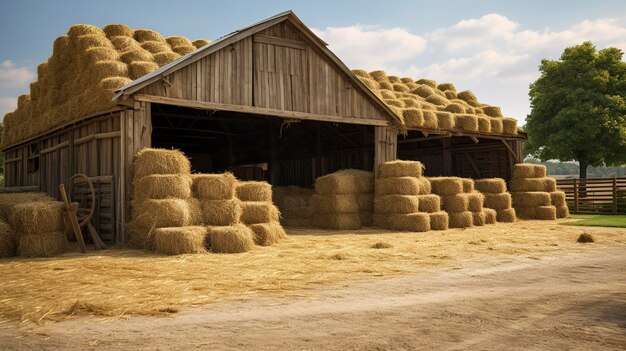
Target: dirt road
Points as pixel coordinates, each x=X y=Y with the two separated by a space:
x=573 y=301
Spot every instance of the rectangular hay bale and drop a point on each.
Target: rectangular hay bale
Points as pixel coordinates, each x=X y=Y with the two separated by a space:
x=530 y=199
x=400 y=168
x=490 y=185
x=439 y=220
x=253 y=212
x=254 y=191
x=533 y=184
x=446 y=185
x=429 y=203
x=37 y=217
x=396 y=204
x=180 y=240
x=398 y=186
x=221 y=212
x=498 y=201
x=214 y=186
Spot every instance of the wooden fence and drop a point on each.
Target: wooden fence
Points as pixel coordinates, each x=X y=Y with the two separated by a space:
x=595 y=195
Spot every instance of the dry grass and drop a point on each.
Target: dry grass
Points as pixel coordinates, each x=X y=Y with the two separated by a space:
x=119 y=282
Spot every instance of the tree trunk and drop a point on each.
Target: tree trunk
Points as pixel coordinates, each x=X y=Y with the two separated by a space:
x=583 y=169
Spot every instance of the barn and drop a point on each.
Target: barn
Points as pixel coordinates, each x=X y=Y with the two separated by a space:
x=268 y=102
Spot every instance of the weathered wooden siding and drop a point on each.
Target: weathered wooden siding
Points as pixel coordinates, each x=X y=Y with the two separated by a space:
x=385 y=146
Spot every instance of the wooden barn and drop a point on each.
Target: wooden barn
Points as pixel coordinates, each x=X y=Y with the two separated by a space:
x=267 y=102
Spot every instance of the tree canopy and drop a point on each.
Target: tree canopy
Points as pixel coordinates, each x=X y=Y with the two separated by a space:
x=579 y=108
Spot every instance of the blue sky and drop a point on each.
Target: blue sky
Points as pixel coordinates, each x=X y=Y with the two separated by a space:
x=491 y=47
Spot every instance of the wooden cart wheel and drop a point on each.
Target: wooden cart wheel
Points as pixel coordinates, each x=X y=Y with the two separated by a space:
x=86 y=207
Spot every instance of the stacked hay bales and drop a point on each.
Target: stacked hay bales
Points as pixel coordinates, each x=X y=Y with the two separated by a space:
x=423 y=104
x=107 y=58
x=259 y=212
x=530 y=191
x=39 y=228
x=557 y=199
x=343 y=200
x=294 y=204
x=400 y=191
x=455 y=200
x=497 y=198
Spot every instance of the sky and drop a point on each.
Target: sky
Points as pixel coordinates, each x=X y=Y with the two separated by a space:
x=491 y=47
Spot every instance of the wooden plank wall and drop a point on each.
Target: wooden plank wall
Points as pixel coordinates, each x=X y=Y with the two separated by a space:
x=385 y=146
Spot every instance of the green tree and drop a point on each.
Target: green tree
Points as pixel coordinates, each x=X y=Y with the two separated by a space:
x=579 y=108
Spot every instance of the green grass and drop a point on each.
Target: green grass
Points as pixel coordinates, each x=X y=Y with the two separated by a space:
x=592 y=220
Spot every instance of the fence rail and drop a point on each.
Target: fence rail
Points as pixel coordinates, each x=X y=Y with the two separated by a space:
x=595 y=195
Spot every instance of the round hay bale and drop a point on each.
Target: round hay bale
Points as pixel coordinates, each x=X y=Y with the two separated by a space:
x=476 y=202
x=37 y=217
x=198 y=43
x=123 y=44
x=137 y=55
x=506 y=216
x=115 y=30
x=77 y=30
x=138 y=69
x=411 y=86
x=445 y=120
x=490 y=185
x=557 y=198
x=89 y=41
x=437 y=100
x=162 y=186
x=398 y=186
x=370 y=83
x=254 y=191
x=346 y=181
x=180 y=240
x=530 y=199
x=379 y=76
x=407 y=80
x=446 y=185
x=446 y=86
x=562 y=211
x=467 y=96
x=484 y=124
x=460 y=219
x=400 y=87
x=412 y=117
x=400 y=168
x=96 y=54
x=254 y=212
x=387 y=94
x=160 y=213
x=385 y=86
x=230 y=239
x=143 y=35
x=533 y=184
x=439 y=220
x=178 y=40
x=394 y=102
x=546 y=213
x=155 y=47
x=490 y=216
x=455 y=203
x=498 y=201
x=396 y=204
x=428 y=82
x=113 y=83
x=43 y=244
x=338 y=221
x=160 y=161
x=496 y=125
x=394 y=79
x=467 y=122
x=410 y=103
x=105 y=69
x=7 y=240
x=479 y=218
x=221 y=212
x=455 y=108
x=430 y=203
x=468 y=185
x=492 y=111
x=411 y=222
x=450 y=95
x=509 y=126
x=266 y=234
x=163 y=58
x=424 y=91
x=360 y=73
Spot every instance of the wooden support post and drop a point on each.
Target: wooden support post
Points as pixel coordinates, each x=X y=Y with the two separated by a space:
x=447 y=157
x=614 y=195
x=576 y=195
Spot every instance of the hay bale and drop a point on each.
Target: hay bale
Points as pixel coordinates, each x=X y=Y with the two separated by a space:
x=526 y=212
x=398 y=186
x=96 y=54
x=339 y=221
x=137 y=55
x=467 y=96
x=530 y=199
x=198 y=43
x=455 y=203
x=533 y=184
x=195 y=211
x=413 y=117
x=385 y=86
x=122 y=43
x=484 y=124
x=160 y=213
x=468 y=185
x=343 y=203
x=445 y=120
x=479 y=218
x=400 y=88
x=492 y=111
x=509 y=126
x=113 y=83
x=37 y=217
x=104 y=69
x=545 y=213
x=143 y=35
x=496 y=125
x=347 y=181
x=557 y=198
x=160 y=161
x=7 y=240
x=562 y=211
x=163 y=58
x=140 y=237
x=43 y=244
x=9 y=200
x=506 y=216
x=177 y=40
x=475 y=202
x=266 y=234
x=253 y=212
x=430 y=119
x=430 y=203
x=180 y=240
x=490 y=185
x=450 y=95
x=366 y=218
x=360 y=73
x=115 y=30
x=155 y=47
x=524 y=170
x=395 y=103
x=214 y=186
x=379 y=76
x=498 y=201
x=467 y=122
x=254 y=191
x=446 y=185
x=446 y=86
x=138 y=69
x=230 y=239
x=400 y=168
x=162 y=186
x=411 y=222
x=428 y=82
x=396 y=204
x=437 y=100
x=491 y=216
x=460 y=219
x=370 y=83
x=455 y=108
x=221 y=212
x=77 y=30
x=439 y=220
x=424 y=91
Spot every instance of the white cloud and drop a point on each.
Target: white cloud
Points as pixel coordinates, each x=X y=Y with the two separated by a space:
x=7 y=105
x=12 y=76
x=372 y=47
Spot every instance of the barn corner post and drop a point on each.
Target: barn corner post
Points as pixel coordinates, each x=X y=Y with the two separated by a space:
x=385 y=145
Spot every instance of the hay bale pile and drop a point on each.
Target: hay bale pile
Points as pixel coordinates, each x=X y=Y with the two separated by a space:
x=31 y=225
x=402 y=199
x=294 y=204
x=425 y=104
x=259 y=212
x=497 y=198
x=531 y=192
x=456 y=198
x=106 y=58
x=343 y=200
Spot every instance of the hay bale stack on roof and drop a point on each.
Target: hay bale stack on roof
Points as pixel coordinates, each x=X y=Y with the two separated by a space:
x=343 y=200
x=497 y=198
x=294 y=204
x=531 y=191
x=259 y=212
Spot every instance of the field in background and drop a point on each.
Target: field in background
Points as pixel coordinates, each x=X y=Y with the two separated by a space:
x=598 y=220
x=120 y=282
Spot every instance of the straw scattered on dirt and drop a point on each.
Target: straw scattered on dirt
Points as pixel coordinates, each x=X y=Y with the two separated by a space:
x=118 y=282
